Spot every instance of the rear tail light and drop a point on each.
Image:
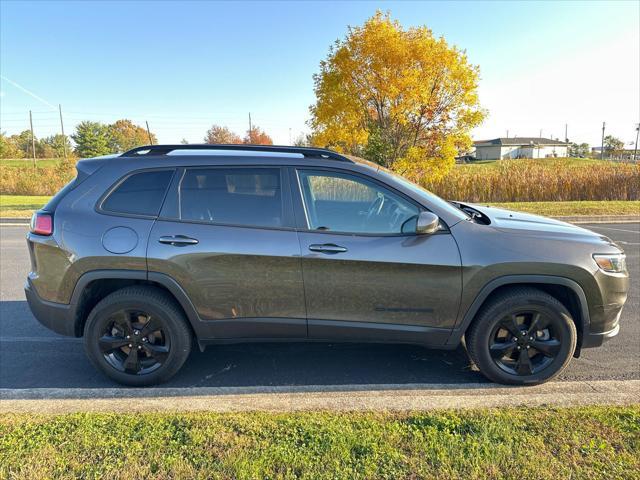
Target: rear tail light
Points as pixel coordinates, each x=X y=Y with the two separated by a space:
x=42 y=223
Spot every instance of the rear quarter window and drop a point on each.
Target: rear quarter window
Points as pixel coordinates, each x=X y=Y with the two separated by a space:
x=139 y=194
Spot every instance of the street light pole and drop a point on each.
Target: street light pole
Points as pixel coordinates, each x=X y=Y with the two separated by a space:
x=635 y=150
x=602 y=144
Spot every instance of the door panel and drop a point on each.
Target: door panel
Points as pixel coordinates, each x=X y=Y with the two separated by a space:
x=365 y=275
x=400 y=280
x=241 y=274
x=226 y=236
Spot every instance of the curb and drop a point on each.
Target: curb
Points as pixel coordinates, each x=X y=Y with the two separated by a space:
x=15 y=222
x=391 y=397
x=600 y=219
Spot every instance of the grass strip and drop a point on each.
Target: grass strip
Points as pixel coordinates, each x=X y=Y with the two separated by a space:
x=599 y=442
x=22 y=206
x=586 y=208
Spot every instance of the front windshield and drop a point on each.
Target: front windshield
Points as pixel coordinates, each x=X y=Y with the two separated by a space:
x=424 y=193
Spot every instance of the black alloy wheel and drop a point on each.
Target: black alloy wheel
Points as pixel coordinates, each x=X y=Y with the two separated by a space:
x=134 y=342
x=524 y=343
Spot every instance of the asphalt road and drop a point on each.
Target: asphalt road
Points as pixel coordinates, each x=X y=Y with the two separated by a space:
x=33 y=357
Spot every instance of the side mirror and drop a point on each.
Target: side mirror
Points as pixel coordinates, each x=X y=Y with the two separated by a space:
x=427 y=223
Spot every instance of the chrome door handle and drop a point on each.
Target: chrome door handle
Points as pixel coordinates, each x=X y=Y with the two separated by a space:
x=178 y=240
x=327 y=248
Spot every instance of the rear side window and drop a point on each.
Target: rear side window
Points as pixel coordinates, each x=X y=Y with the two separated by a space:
x=140 y=194
x=234 y=196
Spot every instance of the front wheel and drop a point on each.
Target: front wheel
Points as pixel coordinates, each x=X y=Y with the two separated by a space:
x=522 y=336
x=137 y=336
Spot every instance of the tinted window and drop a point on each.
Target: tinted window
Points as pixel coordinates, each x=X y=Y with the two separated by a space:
x=236 y=196
x=346 y=203
x=139 y=194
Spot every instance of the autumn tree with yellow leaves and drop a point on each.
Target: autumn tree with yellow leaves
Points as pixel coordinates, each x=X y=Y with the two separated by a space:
x=399 y=97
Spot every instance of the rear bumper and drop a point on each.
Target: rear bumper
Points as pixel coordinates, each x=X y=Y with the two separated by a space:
x=55 y=316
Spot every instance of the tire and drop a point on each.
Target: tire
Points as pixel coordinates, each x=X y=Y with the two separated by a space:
x=504 y=334
x=157 y=329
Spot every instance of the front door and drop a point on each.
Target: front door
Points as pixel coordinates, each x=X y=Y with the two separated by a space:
x=226 y=236
x=367 y=276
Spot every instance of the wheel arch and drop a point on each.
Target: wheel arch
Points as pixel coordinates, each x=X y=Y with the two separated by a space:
x=566 y=291
x=94 y=285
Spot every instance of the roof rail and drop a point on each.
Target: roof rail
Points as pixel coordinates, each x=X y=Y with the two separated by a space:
x=304 y=151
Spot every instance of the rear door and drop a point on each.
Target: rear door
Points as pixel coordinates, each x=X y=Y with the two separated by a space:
x=367 y=275
x=226 y=235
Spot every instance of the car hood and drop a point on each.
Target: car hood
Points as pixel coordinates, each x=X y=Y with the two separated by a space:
x=509 y=221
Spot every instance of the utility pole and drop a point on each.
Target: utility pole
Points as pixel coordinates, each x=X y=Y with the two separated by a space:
x=64 y=139
x=635 y=150
x=149 y=133
x=566 y=135
x=250 y=130
x=507 y=133
x=33 y=140
x=540 y=133
x=289 y=135
x=602 y=144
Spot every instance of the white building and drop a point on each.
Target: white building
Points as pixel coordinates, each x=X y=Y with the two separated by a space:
x=519 y=147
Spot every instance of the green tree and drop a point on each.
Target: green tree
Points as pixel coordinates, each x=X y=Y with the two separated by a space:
x=9 y=147
x=579 y=150
x=55 y=145
x=92 y=139
x=400 y=97
x=125 y=135
x=612 y=145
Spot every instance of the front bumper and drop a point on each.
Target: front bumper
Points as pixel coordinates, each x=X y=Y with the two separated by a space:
x=591 y=339
x=55 y=316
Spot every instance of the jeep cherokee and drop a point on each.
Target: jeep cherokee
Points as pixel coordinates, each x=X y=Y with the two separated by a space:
x=165 y=246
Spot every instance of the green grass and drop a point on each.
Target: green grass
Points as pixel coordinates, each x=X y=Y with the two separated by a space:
x=27 y=162
x=20 y=206
x=563 y=209
x=542 y=443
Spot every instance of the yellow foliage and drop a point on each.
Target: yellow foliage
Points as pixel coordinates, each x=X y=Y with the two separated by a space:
x=411 y=91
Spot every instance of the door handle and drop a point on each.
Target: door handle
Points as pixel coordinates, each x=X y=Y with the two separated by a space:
x=327 y=248
x=178 y=240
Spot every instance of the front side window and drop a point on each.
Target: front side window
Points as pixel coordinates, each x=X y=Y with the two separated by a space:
x=234 y=196
x=346 y=203
x=139 y=194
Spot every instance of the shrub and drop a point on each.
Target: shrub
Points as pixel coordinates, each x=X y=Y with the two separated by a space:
x=36 y=181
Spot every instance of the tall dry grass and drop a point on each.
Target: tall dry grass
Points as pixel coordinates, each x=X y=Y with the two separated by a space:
x=535 y=182
x=516 y=181
x=35 y=181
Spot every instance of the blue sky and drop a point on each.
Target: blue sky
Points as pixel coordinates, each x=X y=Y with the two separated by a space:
x=186 y=65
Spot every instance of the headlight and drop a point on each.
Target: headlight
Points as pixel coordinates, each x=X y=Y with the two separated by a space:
x=612 y=263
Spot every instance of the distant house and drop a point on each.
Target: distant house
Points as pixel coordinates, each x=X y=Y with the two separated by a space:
x=519 y=147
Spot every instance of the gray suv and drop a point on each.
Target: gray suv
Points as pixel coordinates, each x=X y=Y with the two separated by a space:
x=146 y=253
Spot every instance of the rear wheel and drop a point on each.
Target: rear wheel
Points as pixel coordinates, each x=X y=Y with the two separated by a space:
x=523 y=336
x=137 y=336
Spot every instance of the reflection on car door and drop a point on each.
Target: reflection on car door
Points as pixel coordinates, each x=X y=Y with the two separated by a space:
x=226 y=236
x=364 y=278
